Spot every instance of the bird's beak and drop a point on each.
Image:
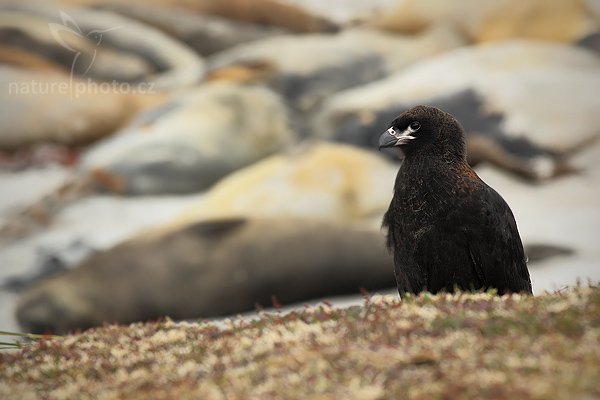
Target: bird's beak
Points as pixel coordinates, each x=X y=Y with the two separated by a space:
x=391 y=138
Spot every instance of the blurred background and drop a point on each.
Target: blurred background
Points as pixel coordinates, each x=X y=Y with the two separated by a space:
x=198 y=159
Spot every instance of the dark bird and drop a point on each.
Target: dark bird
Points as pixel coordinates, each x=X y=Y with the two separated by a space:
x=446 y=227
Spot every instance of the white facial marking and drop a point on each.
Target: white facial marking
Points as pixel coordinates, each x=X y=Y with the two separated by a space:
x=403 y=136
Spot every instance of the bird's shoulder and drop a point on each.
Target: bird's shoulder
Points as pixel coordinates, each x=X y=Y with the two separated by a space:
x=486 y=221
x=480 y=206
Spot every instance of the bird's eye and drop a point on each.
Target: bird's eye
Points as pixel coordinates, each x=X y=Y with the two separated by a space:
x=414 y=126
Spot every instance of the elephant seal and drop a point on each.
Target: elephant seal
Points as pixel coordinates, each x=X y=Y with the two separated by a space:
x=210 y=269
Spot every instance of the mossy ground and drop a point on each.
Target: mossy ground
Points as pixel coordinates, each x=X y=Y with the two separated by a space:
x=426 y=347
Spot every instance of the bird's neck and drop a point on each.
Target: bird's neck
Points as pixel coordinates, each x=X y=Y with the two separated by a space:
x=424 y=171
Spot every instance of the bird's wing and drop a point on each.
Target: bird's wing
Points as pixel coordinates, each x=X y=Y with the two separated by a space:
x=494 y=245
x=445 y=259
x=476 y=246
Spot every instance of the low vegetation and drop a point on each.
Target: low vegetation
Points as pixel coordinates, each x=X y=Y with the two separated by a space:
x=426 y=347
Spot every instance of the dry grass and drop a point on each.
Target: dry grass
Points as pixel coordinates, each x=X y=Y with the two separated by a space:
x=429 y=347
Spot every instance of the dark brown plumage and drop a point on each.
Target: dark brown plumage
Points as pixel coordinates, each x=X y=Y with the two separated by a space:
x=446 y=227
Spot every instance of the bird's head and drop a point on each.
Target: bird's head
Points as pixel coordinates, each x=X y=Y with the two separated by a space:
x=425 y=129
